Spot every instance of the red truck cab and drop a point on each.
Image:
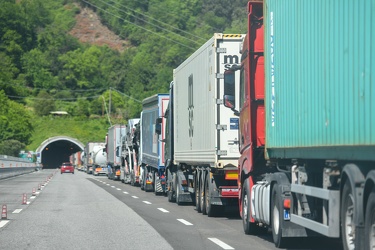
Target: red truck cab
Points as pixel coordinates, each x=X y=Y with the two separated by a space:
x=251 y=107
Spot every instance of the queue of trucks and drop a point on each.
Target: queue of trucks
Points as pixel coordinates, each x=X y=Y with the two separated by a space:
x=276 y=123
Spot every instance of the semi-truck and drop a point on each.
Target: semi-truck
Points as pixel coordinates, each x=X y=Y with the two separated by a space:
x=306 y=108
x=88 y=155
x=152 y=125
x=129 y=154
x=99 y=161
x=201 y=134
x=76 y=159
x=114 y=139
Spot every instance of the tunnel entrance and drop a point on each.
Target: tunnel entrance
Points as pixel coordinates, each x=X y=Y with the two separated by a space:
x=56 y=150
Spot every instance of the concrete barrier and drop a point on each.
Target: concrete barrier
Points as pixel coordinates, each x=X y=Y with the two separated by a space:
x=12 y=166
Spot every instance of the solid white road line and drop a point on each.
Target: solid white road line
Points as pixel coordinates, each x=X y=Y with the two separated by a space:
x=3 y=223
x=17 y=211
x=163 y=210
x=185 y=222
x=220 y=243
x=147 y=202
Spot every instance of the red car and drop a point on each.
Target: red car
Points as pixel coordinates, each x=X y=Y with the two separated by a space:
x=67 y=167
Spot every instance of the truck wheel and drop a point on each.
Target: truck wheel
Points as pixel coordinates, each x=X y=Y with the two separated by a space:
x=171 y=196
x=203 y=191
x=249 y=228
x=277 y=218
x=370 y=221
x=347 y=217
x=197 y=191
x=143 y=179
x=178 y=191
x=132 y=181
x=210 y=209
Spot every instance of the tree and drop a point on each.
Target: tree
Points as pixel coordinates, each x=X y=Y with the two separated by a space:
x=15 y=121
x=82 y=108
x=37 y=70
x=43 y=104
x=11 y=147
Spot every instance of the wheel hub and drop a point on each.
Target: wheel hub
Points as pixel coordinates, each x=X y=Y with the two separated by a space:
x=349 y=224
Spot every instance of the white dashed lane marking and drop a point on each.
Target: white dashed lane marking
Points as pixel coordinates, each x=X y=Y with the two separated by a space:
x=185 y=222
x=3 y=223
x=220 y=243
x=147 y=202
x=163 y=210
x=17 y=211
x=135 y=197
x=119 y=189
x=126 y=193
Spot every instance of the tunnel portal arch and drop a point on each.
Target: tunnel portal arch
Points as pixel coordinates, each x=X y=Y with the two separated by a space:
x=56 y=150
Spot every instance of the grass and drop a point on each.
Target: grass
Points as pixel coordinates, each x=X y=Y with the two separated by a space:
x=82 y=129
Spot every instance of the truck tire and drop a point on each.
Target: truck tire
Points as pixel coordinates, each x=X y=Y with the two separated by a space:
x=277 y=218
x=197 y=191
x=203 y=192
x=211 y=210
x=347 y=217
x=143 y=179
x=177 y=191
x=132 y=179
x=249 y=228
x=171 y=195
x=370 y=221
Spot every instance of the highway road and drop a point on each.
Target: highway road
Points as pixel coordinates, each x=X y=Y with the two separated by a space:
x=81 y=211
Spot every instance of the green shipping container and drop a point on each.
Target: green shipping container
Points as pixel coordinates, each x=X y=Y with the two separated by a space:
x=320 y=91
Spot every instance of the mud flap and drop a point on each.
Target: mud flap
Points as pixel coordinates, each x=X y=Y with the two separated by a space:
x=158 y=186
x=182 y=194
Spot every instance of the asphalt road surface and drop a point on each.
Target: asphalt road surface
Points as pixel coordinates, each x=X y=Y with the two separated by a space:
x=81 y=211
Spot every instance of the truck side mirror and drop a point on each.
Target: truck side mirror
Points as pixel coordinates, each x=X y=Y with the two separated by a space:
x=158 y=122
x=229 y=89
x=158 y=128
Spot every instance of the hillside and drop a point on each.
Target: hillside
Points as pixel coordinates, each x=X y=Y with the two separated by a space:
x=89 y=29
x=75 y=56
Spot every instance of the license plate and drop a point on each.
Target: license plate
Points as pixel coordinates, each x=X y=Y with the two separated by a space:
x=286 y=215
x=67 y=171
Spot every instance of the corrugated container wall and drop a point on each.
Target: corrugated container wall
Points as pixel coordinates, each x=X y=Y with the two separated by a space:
x=198 y=138
x=319 y=84
x=152 y=148
x=115 y=136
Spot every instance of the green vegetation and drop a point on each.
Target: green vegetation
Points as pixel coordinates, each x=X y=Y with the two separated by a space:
x=43 y=68
x=84 y=130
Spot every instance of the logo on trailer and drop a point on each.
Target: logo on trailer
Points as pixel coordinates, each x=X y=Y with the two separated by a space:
x=230 y=60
